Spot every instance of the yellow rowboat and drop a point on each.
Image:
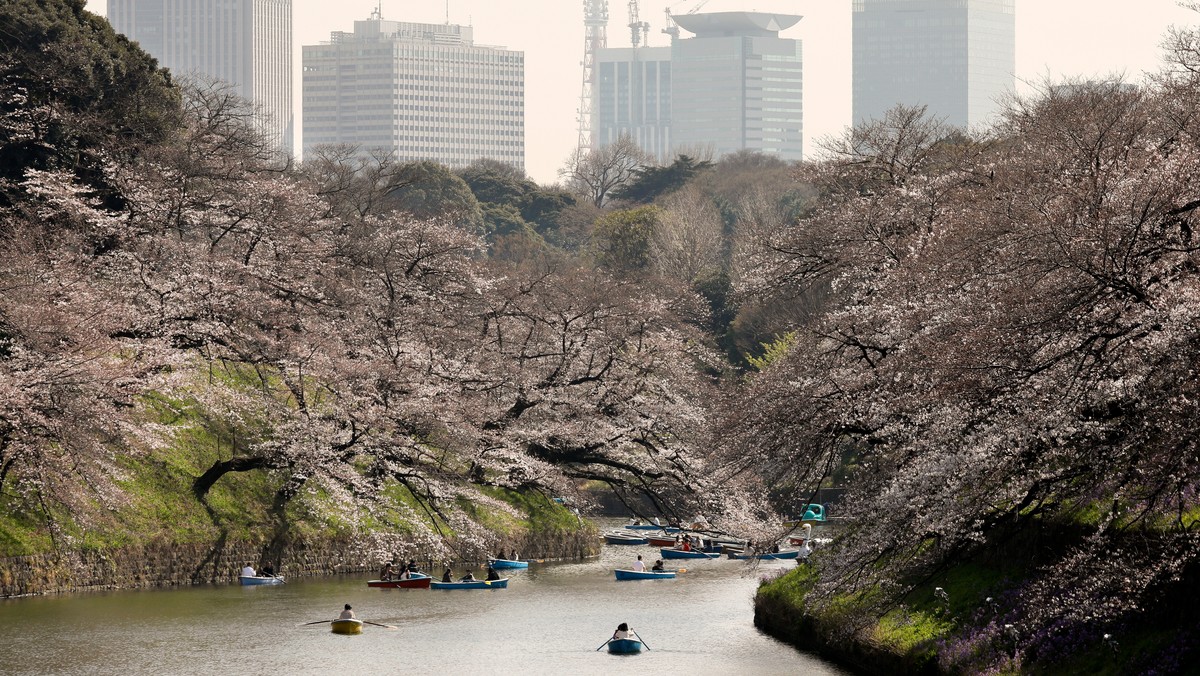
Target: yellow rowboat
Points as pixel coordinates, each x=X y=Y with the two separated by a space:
x=346 y=626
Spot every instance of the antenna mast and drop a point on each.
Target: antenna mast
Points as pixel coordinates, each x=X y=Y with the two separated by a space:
x=639 y=31
x=595 y=38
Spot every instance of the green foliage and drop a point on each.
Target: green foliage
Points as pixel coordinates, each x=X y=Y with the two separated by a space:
x=542 y=207
x=650 y=183
x=497 y=183
x=427 y=189
x=72 y=89
x=772 y=351
x=621 y=239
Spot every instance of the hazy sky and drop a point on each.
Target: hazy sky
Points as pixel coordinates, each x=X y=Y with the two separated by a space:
x=1055 y=38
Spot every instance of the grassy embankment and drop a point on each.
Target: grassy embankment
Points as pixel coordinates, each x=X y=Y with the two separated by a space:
x=912 y=635
x=156 y=502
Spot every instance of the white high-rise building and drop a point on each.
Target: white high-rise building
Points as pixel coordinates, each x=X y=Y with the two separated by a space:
x=733 y=85
x=247 y=43
x=421 y=91
x=737 y=85
x=958 y=57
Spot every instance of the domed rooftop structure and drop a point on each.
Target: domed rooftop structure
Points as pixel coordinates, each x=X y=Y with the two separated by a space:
x=728 y=24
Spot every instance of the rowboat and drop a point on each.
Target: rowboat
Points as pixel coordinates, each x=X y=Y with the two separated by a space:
x=346 y=626
x=621 y=539
x=766 y=556
x=415 y=581
x=507 y=563
x=623 y=574
x=502 y=583
x=256 y=580
x=651 y=526
x=624 y=646
x=680 y=554
x=660 y=542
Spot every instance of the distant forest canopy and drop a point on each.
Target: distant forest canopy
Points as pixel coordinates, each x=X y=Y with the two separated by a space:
x=969 y=331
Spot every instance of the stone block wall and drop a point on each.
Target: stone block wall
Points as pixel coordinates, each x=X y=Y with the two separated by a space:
x=165 y=564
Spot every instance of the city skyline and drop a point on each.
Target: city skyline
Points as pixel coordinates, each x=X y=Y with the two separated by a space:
x=1062 y=38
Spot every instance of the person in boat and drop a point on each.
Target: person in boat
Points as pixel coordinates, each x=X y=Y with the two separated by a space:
x=446 y=577
x=347 y=613
x=248 y=571
x=775 y=548
x=639 y=565
x=492 y=574
x=411 y=567
x=267 y=571
x=658 y=566
x=386 y=573
x=622 y=631
x=636 y=522
x=468 y=577
x=686 y=546
x=512 y=556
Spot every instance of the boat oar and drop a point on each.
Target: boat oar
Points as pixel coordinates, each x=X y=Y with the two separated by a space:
x=640 y=638
x=385 y=626
x=317 y=622
x=602 y=645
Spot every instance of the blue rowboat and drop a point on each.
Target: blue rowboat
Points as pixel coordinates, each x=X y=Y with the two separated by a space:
x=256 y=580
x=767 y=556
x=680 y=554
x=413 y=581
x=624 y=646
x=502 y=583
x=619 y=539
x=623 y=574
x=507 y=563
x=346 y=626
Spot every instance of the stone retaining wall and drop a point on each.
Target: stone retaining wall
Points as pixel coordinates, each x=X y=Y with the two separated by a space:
x=164 y=564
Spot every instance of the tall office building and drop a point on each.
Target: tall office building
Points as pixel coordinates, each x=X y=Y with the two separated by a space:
x=736 y=85
x=247 y=43
x=633 y=96
x=958 y=57
x=421 y=91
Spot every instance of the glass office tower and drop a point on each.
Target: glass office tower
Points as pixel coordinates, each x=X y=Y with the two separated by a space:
x=421 y=91
x=737 y=85
x=958 y=57
x=633 y=96
x=247 y=43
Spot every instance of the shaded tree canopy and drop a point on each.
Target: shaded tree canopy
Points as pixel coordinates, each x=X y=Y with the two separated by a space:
x=650 y=183
x=71 y=88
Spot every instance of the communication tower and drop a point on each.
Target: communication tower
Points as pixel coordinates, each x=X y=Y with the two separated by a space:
x=639 y=31
x=595 y=38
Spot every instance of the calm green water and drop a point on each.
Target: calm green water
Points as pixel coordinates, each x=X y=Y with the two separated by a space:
x=550 y=620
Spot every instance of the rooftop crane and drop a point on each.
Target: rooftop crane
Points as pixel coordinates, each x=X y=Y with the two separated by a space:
x=672 y=29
